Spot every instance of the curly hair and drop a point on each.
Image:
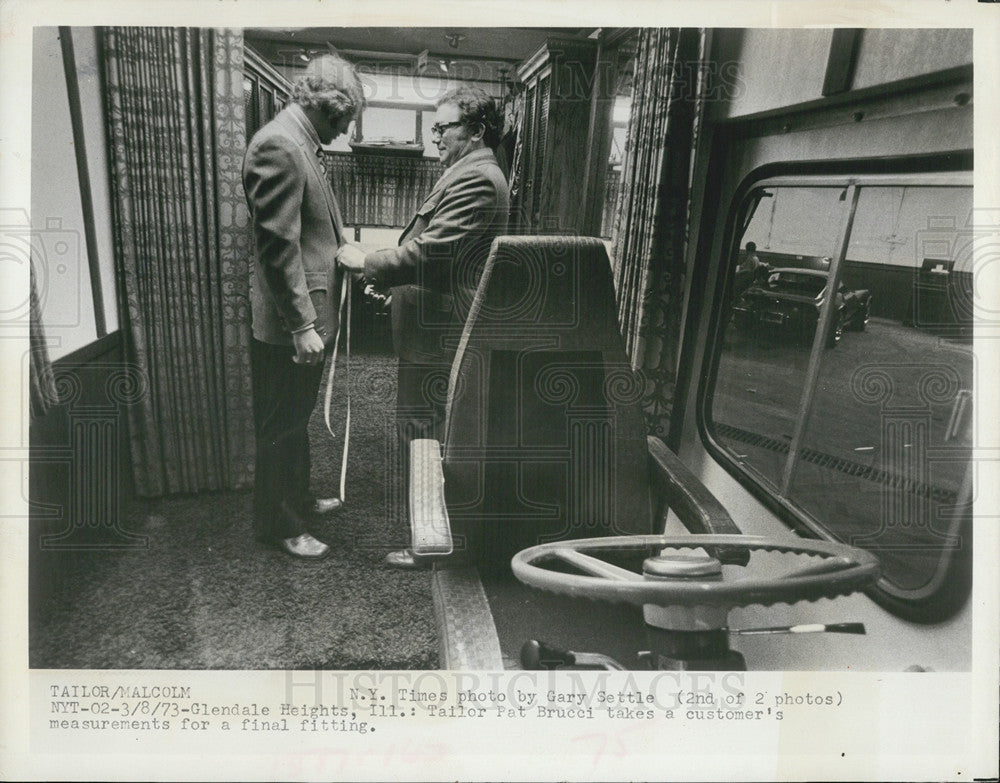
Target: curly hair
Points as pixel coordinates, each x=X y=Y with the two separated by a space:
x=475 y=107
x=330 y=84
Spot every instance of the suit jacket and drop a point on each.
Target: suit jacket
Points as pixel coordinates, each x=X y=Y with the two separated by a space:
x=437 y=265
x=297 y=231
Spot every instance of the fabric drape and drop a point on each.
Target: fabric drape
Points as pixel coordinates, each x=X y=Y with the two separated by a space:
x=174 y=114
x=379 y=190
x=649 y=236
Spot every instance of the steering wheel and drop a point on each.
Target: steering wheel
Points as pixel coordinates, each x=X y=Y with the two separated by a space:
x=841 y=570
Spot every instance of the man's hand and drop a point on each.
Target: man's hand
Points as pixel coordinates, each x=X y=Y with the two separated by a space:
x=378 y=296
x=352 y=258
x=308 y=347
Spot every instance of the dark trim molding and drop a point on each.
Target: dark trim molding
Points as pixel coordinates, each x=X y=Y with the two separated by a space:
x=752 y=123
x=253 y=59
x=83 y=178
x=599 y=133
x=612 y=36
x=91 y=351
x=698 y=287
x=841 y=61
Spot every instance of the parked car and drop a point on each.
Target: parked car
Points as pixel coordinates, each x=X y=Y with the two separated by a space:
x=790 y=299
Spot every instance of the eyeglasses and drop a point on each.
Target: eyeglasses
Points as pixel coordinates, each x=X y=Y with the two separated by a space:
x=438 y=128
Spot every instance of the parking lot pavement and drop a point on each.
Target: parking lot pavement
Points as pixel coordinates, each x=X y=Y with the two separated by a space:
x=877 y=461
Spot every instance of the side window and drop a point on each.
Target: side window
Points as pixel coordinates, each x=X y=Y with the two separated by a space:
x=779 y=270
x=853 y=415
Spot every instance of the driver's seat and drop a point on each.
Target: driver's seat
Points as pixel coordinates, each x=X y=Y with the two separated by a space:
x=544 y=439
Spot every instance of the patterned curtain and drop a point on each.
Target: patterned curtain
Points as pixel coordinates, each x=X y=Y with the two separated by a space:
x=174 y=110
x=381 y=190
x=650 y=232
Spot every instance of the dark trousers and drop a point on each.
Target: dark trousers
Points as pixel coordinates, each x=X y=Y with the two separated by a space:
x=284 y=395
x=421 y=392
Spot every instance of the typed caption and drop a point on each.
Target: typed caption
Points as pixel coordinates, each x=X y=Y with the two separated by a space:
x=364 y=704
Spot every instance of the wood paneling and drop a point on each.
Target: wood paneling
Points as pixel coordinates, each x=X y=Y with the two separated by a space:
x=551 y=165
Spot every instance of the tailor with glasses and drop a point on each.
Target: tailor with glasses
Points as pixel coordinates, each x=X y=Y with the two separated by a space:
x=297 y=232
x=441 y=251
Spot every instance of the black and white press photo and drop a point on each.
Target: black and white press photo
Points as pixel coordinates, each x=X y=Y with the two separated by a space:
x=610 y=385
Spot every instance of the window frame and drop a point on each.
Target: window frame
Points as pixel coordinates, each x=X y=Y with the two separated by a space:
x=417 y=111
x=929 y=603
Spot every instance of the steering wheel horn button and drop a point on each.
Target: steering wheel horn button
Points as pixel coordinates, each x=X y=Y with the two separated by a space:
x=681 y=567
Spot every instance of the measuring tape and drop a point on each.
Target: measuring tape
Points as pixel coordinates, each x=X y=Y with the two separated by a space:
x=345 y=304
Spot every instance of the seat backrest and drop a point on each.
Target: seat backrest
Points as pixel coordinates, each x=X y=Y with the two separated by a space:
x=544 y=439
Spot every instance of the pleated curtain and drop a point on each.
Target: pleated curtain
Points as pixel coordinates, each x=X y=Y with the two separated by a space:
x=649 y=237
x=175 y=119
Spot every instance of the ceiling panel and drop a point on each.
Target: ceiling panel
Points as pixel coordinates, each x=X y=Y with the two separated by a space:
x=380 y=48
x=503 y=43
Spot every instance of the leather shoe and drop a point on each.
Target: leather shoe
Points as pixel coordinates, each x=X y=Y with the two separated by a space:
x=323 y=506
x=407 y=559
x=305 y=546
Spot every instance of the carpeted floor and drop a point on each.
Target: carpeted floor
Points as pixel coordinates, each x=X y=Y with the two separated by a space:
x=204 y=595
